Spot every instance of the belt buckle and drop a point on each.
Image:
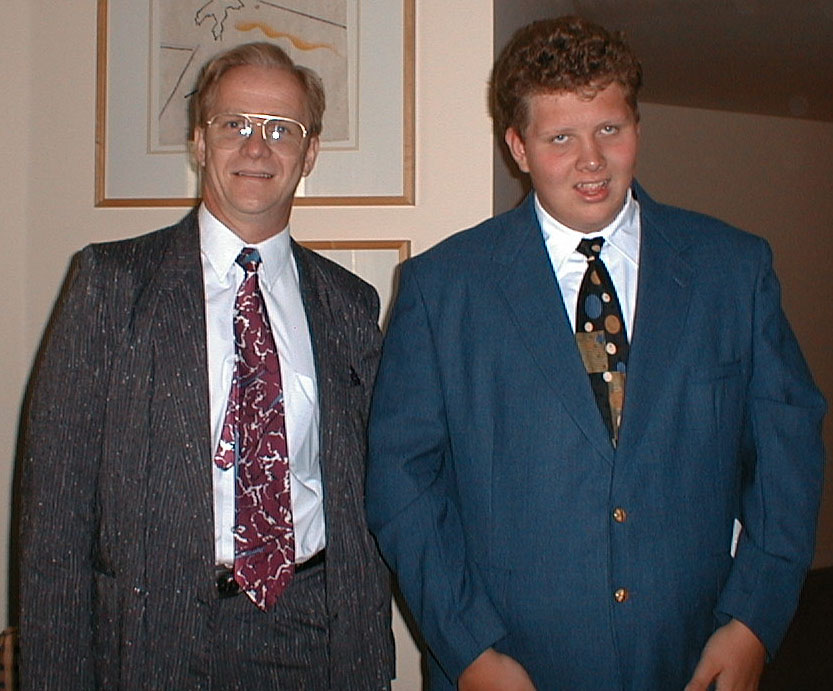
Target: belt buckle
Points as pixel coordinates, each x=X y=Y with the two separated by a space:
x=226 y=585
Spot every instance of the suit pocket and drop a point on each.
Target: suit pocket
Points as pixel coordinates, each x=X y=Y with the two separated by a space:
x=717 y=397
x=356 y=387
x=718 y=372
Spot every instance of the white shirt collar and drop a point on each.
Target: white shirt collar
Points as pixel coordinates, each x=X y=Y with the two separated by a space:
x=621 y=234
x=220 y=246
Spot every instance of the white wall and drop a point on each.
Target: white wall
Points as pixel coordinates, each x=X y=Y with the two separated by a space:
x=46 y=205
x=20 y=270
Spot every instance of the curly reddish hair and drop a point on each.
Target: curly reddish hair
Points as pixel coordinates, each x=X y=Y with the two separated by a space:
x=564 y=54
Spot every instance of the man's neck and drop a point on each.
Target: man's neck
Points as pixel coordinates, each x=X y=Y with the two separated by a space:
x=252 y=233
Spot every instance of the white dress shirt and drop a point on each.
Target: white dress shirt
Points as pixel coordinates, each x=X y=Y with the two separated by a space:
x=278 y=278
x=620 y=253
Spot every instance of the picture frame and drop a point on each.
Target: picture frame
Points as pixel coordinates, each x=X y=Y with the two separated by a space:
x=376 y=261
x=148 y=54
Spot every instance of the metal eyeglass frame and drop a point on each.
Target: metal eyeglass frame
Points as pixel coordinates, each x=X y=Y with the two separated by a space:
x=263 y=118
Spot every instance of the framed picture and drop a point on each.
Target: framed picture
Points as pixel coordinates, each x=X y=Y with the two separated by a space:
x=149 y=54
x=376 y=261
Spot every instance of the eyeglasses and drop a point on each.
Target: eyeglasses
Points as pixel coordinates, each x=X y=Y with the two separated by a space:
x=229 y=130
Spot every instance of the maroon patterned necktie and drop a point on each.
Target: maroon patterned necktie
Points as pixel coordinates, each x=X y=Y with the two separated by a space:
x=253 y=441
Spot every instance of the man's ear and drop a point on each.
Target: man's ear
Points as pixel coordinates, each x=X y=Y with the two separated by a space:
x=310 y=156
x=517 y=147
x=199 y=146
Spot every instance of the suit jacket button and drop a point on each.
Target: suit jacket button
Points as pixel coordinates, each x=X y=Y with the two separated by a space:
x=621 y=595
x=620 y=515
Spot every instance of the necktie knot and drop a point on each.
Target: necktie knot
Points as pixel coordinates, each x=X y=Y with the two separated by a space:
x=249 y=259
x=591 y=247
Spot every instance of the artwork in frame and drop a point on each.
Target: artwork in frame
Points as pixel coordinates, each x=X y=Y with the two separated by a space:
x=149 y=54
x=376 y=261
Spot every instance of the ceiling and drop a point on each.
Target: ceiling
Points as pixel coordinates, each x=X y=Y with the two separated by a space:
x=768 y=57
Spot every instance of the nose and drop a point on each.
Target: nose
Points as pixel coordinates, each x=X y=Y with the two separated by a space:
x=255 y=145
x=591 y=157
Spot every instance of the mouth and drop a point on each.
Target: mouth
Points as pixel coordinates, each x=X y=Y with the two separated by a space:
x=253 y=174
x=592 y=188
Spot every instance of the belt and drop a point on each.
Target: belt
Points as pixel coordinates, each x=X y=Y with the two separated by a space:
x=228 y=587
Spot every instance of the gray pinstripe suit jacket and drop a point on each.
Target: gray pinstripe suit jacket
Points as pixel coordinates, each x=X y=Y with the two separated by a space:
x=117 y=531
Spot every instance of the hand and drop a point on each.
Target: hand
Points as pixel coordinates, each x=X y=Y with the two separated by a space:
x=733 y=657
x=494 y=671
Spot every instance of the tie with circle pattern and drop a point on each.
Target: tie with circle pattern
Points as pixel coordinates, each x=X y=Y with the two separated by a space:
x=253 y=441
x=601 y=336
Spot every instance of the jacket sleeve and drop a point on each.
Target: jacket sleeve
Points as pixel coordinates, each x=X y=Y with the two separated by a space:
x=783 y=475
x=63 y=421
x=412 y=500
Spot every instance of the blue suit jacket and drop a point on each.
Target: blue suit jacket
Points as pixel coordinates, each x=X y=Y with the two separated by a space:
x=492 y=483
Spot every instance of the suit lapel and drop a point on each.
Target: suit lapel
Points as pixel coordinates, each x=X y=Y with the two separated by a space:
x=532 y=296
x=662 y=303
x=179 y=338
x=317 y=307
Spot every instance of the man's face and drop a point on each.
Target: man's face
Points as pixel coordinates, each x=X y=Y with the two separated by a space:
x=250 y=187
x=580 y=154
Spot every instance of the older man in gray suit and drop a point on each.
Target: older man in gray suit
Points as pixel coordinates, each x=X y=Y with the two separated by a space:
x=195 y=438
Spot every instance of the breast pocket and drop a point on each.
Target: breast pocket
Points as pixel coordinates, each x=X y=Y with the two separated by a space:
x=716 y=396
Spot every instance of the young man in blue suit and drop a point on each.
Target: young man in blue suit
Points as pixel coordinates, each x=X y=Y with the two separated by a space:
x=593 y=465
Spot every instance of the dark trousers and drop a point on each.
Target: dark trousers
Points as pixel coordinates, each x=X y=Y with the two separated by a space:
x=286 y=648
